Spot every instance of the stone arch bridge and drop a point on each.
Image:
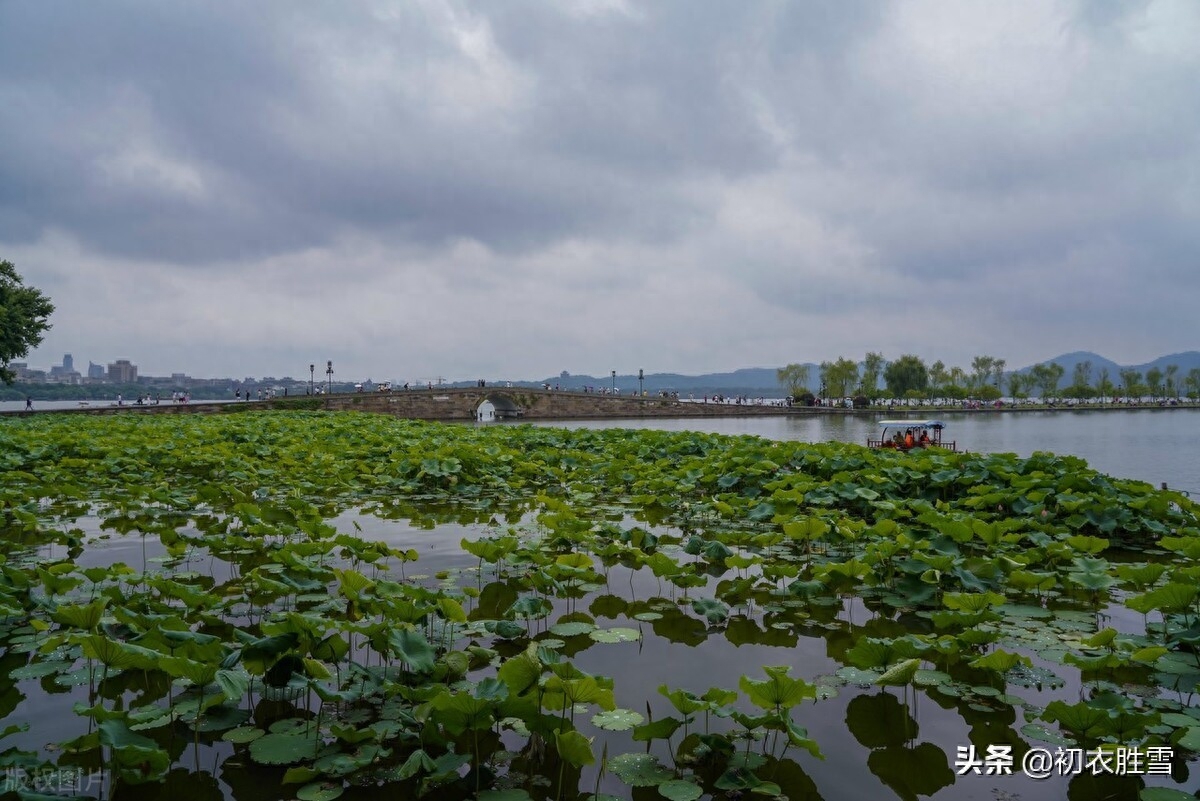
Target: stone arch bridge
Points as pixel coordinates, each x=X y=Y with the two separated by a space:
x=519 y=402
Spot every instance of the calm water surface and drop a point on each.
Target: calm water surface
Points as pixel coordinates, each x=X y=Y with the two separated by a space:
x=1154 y=445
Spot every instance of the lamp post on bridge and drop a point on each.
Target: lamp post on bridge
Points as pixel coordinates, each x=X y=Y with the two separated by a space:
x=614 y=384
x=329 y=373
x=312 y=370
x=641 y=375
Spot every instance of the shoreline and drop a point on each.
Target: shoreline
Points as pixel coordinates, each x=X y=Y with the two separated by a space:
x=693 y=408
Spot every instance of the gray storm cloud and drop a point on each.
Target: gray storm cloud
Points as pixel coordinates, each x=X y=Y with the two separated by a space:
x=230 y=189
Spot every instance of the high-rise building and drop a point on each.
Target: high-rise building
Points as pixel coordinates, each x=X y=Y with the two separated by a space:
x=95 y=371
x=122 y=372
x=68 y=363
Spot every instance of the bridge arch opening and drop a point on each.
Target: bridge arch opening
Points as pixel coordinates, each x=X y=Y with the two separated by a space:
x=497 y=407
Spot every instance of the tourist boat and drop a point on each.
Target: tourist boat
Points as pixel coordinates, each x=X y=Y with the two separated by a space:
x=925 y=434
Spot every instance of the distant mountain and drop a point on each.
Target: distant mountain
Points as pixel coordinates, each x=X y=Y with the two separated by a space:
x=754 y=381
x=1185 y=361
x=1069 y=360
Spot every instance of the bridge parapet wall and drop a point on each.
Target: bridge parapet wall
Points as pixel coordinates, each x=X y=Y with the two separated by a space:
x=534 y=404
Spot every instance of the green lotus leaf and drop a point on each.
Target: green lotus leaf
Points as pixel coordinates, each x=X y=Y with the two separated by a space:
x=1036 y=731
x=778 y=690
x=412 y=647
x=37 y=670
x=572 y=629
x=1000 y=661
x=1190 y=739
x=282 y=749
x=930 y=678
x=617 y=634
x=680 y=790
x=1083 y=719
x=81 y=616
x=242 y=734
x=514 y=794
x=300 y=775
x=320 y=791
x=853 y=675
x=617 y=720
x=713 y=610
x=1164 y=794
x=574 y=748
x=899 y=674
x=639 y=770
x=660 y=729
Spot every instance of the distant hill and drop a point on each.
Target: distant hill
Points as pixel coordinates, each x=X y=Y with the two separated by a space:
x=753 y=381
x=1186 y=361
x=749 y=381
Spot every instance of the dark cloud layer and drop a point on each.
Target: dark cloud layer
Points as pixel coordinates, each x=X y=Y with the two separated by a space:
x=798 y=165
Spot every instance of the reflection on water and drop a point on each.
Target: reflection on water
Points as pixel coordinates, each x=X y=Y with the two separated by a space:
x=1154 y=445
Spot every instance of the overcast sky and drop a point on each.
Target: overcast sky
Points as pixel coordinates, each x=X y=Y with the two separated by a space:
x=511 y=189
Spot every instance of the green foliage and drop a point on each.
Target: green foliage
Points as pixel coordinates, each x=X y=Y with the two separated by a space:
x=906 y=374
x=257 y=595
x=24 y=318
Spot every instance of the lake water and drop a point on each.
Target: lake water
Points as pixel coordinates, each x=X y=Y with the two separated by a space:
x=1154 y=445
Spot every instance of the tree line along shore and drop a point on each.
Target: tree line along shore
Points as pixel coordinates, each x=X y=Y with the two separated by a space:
x=909 y=378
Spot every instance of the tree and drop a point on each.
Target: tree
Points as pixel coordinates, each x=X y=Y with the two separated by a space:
x=998 y=366
x=23 y=318
x=1046 y=377
x=1082 y=378
x=956 y=386
x=793 y=377
x=982 y=367
x=1131 y=379
x=906 y=373
x=838 y=377
x=1192 y=382
x=1154 y=378
x=873 y=364
x=1104 y=384
x=1172 y=388
x=1016 y=385
x=937 y=375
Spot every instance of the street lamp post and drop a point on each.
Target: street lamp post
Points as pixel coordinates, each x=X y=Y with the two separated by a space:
x=312 y=370
x=329 y=373
x=614 y=386
x=641 y=375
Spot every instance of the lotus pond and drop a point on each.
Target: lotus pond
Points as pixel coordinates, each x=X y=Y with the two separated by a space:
x=304 y=605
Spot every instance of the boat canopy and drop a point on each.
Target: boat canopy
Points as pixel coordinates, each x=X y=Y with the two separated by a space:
x=935 y=424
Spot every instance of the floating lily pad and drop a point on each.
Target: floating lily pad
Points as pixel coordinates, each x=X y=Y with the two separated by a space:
x=618 y=634
x=639 y=770
x=930 y=678
x=617 y=720
x=572 y=629
x=647 y=617
x=282 y=749
x=320 y=791
x=1041 y=733
x=1164 y=794
x=37 y=670
x=680 y=790
x=853 y=675
x=243 y=734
